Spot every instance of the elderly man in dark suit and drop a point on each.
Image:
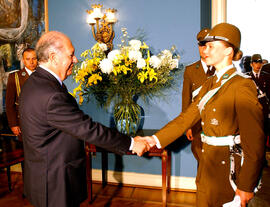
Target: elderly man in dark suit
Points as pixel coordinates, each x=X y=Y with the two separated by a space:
x=54 y=130
x=15 y=82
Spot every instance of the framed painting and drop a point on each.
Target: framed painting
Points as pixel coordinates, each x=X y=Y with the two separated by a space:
x=22 y=22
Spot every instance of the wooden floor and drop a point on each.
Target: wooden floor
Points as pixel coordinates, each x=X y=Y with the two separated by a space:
x=110 y=196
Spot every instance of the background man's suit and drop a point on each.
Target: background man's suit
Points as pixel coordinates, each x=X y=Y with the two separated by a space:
x=194 y=77
x=263 y=84
x=12 y=99
x=54 y=131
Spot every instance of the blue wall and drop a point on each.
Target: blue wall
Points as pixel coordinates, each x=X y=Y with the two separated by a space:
x=166 y=23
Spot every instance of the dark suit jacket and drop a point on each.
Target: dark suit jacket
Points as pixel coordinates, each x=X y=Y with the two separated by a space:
x=54 y=130
x=12 y=100
x=263 y=83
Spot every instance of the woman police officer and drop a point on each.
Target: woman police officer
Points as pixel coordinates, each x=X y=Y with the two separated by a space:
x=232 y=124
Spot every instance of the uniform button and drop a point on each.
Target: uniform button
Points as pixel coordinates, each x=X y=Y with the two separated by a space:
x=202 y=123
x=202 y=150
x=223 y=162
x=214 y=109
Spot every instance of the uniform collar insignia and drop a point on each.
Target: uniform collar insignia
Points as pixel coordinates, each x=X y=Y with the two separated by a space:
x=23 y=73
x=225 y=76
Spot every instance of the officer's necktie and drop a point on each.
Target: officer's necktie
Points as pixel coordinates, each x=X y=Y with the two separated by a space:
x=256 y=78
x=211 y=70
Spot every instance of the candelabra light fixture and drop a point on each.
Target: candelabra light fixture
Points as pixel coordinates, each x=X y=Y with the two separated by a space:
x=103 y=22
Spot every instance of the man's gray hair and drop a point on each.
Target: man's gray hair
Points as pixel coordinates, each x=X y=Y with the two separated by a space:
x=50 y=41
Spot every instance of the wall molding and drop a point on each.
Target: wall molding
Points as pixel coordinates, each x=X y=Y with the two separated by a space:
x=131 y=178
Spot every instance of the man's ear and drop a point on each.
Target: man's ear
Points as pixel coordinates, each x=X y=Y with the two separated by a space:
x=53 y=58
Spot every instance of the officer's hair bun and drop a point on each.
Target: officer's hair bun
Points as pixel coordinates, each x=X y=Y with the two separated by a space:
x=237 y=55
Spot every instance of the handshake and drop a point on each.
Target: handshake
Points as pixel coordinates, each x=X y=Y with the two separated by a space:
x=143 y=144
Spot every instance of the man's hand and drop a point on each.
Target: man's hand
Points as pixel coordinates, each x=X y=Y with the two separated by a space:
x=189 y=134
x=150 y=140
x=16 y=130
x=140 y=146
x=244 y=196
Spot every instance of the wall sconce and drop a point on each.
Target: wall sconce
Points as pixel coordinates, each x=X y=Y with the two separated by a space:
x=104 y=24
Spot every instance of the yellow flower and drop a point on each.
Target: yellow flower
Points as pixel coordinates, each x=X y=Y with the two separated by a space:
x=85 y=53
x=116 y=70
x=93 y=79
x=125 y=69
x=92 y=65
x=80 y=75
x=144 y=46
x=76 y=90
x=142 y=76
x=80 y=98
x=152 y=74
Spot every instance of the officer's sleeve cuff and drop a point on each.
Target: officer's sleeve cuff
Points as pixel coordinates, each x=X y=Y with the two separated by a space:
x=157 y=141
x=131 y=144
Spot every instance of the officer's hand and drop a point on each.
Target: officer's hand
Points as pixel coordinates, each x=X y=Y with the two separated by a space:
x=244 y=196
x=16 y=130
x=140 y=146
x=189 y=134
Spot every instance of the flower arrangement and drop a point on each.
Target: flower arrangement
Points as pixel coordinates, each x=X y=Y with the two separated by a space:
x=123 y=73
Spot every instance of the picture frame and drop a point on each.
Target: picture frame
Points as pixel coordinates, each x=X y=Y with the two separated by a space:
x=22 y=22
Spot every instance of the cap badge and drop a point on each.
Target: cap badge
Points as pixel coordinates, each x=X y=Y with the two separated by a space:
x=197 y=66
x=23 y=73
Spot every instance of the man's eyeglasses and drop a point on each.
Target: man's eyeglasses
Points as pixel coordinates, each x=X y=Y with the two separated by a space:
x=257 y=61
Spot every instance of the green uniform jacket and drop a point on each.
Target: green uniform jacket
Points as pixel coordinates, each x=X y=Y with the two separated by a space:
x=233 y=110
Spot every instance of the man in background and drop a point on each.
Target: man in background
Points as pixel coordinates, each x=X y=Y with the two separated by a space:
x=54 y=130
x=15 y=82
x=262 y=81
x=194 y=76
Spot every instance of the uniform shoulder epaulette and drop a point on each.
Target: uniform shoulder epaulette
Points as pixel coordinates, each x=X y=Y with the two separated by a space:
x=192 y=63
x=243 y=74
x=265 y=73
x=14 y=71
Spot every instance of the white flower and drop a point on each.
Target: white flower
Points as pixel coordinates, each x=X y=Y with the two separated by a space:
x=155 y=61
x=134 y=55
x=166 y=53
x=106 y=66
x=83 y=65
x=135 y=44
x=103 y=46
x=113 y=54
x=141 y=63
x=174 y=63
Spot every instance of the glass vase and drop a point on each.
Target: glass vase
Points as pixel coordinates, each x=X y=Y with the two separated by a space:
x=127 y=116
